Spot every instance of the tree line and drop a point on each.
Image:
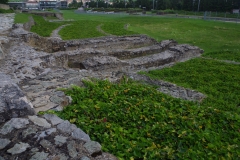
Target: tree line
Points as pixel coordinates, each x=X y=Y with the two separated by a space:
x=188 y=5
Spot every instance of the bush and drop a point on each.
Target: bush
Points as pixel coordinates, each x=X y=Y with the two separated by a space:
x=6 y=11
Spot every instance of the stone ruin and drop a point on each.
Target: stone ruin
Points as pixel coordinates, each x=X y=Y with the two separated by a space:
x=33 y=68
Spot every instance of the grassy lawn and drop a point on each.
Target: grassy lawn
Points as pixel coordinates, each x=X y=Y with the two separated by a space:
x=21 y=18
x=224 y=55
x=211 y=36
x=44 y=28
x=80 y=29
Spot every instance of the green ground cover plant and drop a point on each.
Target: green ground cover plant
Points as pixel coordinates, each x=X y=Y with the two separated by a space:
x=224 y=55
x=44 y=28
x=135 y=121
x=81 y=29
x=115 y=28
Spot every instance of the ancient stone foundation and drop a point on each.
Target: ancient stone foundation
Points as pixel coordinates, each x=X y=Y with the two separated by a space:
x=33 y=68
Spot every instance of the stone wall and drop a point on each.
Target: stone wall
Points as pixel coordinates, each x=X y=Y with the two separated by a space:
x=4 y=6
x=170 y=88
x=25 y=136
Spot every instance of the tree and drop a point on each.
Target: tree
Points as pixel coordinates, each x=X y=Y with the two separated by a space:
x=3 y=1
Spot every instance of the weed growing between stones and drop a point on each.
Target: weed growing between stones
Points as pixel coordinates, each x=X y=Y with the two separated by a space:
x=135 y=121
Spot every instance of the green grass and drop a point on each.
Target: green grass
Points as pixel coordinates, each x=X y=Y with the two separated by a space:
x=44 y=28
x=81 y=29
x=115 y=28
x=21 y=18
x=211 y=36
x=220 y=81
x=224 y=55
x=135 y=121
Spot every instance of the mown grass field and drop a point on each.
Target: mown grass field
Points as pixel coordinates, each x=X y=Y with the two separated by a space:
x=134 y=121
x=211 y=36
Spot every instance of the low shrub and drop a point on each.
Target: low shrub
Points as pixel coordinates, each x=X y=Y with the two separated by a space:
x=6 y=11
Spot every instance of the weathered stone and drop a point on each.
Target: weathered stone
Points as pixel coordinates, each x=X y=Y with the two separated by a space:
x=45 y=144
x=1 y=53
x=66 y=127
x=60 y=157
x=94 y=148
x=170 y=88
x=4 y=143
x=60 y=140
x=72 y=151
x=18 y=148
x=79 y=134
x=99 y=63
x=28 y=131
x=60 y=93
x=69 y=99
x=45 y=133
x=34 y=150
x=1 y=158
x=50 y=131
x=13 y=103
x=39 y=156
x=14 y=123
x=49 y=106
x=57 y=108
x=40 y=101
x=39 y=121
x=84 y=158
x=56 y=99
x=53 y=119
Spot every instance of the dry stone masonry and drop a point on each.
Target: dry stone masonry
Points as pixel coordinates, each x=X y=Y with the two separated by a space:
x=34 y=68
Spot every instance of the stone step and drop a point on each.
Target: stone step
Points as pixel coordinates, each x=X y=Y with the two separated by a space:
x=174 y=54
x=74 y=59
x=142 y=51
x=110 y=43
